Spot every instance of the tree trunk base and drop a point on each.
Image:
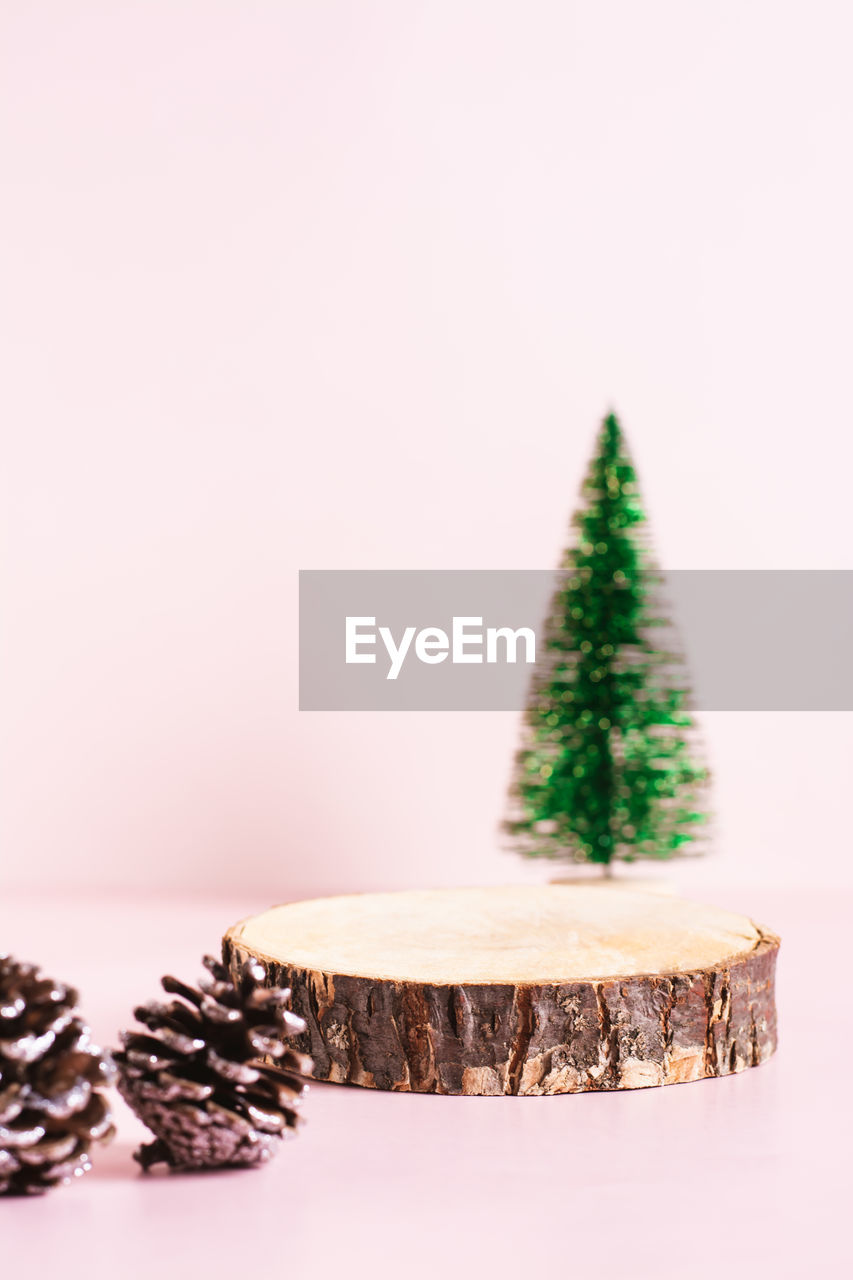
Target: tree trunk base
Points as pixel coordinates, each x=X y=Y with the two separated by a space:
x=521 y=990
x=632 y=884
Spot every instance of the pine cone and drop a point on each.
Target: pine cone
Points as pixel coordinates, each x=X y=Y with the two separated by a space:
x=198 y=1080
x=51 y=1109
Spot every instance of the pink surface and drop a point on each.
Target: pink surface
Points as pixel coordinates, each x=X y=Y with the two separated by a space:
x=738 y=1177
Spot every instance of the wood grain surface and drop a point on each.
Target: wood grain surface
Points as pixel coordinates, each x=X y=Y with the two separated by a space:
x=519 y=990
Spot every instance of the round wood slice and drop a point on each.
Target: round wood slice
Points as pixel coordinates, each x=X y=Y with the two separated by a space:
x=522 y=990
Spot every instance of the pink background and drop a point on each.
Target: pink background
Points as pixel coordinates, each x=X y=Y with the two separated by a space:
x=349 y=285
x=324 y=285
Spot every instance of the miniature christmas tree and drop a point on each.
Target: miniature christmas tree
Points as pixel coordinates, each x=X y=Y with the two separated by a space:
x=608 y=766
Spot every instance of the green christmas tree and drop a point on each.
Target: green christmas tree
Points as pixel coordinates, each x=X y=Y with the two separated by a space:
x=609 y=766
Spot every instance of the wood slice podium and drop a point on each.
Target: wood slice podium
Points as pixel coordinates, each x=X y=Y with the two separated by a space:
x=519 y=990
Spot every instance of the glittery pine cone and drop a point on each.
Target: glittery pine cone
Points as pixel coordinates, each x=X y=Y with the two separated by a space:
x=198 y=1078
x=51 y=1105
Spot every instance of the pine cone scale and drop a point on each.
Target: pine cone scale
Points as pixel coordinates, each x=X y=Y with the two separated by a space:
x=63 y=1105
x=27 y=1048
x=21 y=1135
x=49 y=1150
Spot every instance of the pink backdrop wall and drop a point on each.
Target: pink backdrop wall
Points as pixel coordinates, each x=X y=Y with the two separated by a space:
x=331 y=285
